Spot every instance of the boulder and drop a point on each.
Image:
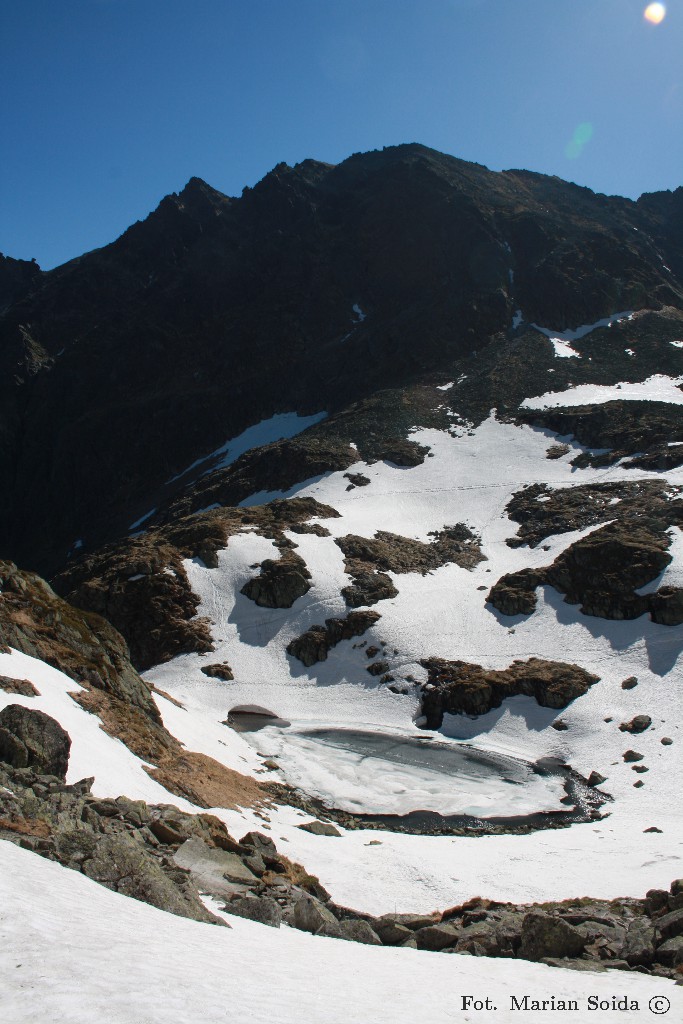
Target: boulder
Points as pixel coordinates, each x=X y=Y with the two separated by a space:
x=281 y=582
x=632 y=755
x=264 y=910
x=639 y=946
x=391 y=933
x=670 y=953
x=638 y=724
x=32 y=739
x=437 y=936
x=320 y=828
x=545 y=936
x=213 y=870
x=359 y=931
x=671 y=924
x=310 y=915
x=218 y=671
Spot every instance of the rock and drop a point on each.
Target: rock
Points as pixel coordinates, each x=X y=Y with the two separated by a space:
x=218 y=671
x=164 y=833
x=22 y=687
x=632 y=755
x=639 y=945
x=656 y=900
x=596 y=779
x=212 y=869
x=411 y=921
x=392 y=934
x=671 y=924
x=639 y=784
x=261 y=842
x=569 y=963
x=31 y=738
x=640 y=768
x=359 y=931
x=264 y=910
x=271 y=765
x=546 y=936
x=437 y=936
x=652 y=828
x=256 y=864
x=119 y=863
x=629 y=683
x=670 y=953
x=560 y=725
x=460 y=687
x=666 y=741
x=320 y=828
x=310 y=915
x=280 y=583
x=638 y=724
x=313 y=645
x=676 y=887
x=378 y=668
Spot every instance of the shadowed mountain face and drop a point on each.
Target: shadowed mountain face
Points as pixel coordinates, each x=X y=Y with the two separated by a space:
x=321 y=287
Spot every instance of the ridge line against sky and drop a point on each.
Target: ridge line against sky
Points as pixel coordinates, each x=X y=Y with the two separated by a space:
x=111 y=104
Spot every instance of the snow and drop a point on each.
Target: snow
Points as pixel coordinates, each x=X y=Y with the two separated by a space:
x=574 y=334
x=282 y=425
x=676 y=344
x=442 y=614
x=445 y=387
x=360 y=315
x=76 y=952
x=658 y=388
x=563 y=349
x=142 y=519
x=93 y=753
x=517 y=319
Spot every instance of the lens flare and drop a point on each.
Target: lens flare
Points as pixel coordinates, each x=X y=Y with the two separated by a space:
x=655 y=13
x=583 y=133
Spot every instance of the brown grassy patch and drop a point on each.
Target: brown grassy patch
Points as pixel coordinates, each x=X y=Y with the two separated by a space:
x=206 y=782
x=26 y=827
x=128 y=723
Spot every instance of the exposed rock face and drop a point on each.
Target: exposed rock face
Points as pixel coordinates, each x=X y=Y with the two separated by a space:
x=141 y=585
x=641 y=430
x=368 y=560
x=602 y=572
x=280 y=583
x=543 y=935
x=31 y=739
x=543 y=511
x=315 y=644
x=425 y=242
x=23 y=687
x=84 y=646
x=458 y=687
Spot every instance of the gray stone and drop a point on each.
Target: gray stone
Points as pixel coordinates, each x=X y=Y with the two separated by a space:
x=212 y=869
x=639 y=946
x=320 y=828
x=392 y=934
x=412 y=921
x=573 y=964
x=670 y=924
x=666 y=741
x=359 y=931
x=264 y=910
x=545 y=936
x=596 y=779
x=437 y=936
x=632 y=755
x=310 y=915
x=32 y=739
x=670 y=953
x=629 y=683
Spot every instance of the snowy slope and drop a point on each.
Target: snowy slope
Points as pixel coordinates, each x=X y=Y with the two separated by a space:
x=470 y=479
x=67 y=951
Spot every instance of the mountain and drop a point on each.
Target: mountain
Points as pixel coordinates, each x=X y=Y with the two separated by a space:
x=360 y=499
x=125 y=366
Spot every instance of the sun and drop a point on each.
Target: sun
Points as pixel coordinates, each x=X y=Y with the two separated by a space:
x=655 y=13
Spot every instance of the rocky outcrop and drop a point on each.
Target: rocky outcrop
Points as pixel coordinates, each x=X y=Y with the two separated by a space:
x=544 y=511
x=35 y=621
x=458 y=687
x=602 y=572
x=280 y=583
x=368 y=559
x=31 y=739
x=315 y=644
x=645 y=435
x=140 y=585
x=23 y=687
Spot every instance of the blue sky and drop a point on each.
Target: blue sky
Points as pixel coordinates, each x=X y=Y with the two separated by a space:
x=107 y=105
